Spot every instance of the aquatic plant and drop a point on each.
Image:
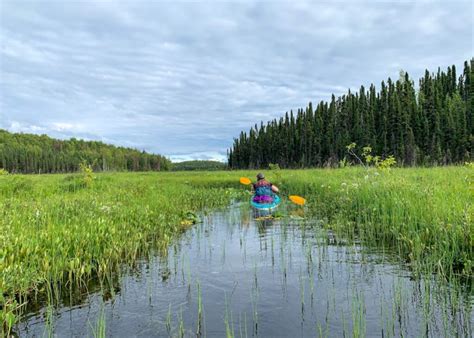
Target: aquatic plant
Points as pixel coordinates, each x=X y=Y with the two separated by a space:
x=424 y=214
x=58 y=233
x=99 y=331
x=199 y=319
x=52 y=237
x=168 y=319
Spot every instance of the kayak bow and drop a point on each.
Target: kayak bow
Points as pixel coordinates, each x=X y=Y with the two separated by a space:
x=266 y=207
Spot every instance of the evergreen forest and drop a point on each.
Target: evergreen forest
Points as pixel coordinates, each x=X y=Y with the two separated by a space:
x=28 y=153
x=431 y=124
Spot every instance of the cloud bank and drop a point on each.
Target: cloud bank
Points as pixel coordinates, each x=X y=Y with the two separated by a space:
x=183 y=78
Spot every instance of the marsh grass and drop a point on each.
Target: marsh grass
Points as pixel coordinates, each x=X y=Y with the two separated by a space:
x=358 y=315
x=99 y=330
x=200 y=311
x=168 y=320
x=427 y=215
x=53 y=238
x=57 y=233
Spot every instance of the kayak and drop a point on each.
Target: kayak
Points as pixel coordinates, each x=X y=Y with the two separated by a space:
x=265 y=208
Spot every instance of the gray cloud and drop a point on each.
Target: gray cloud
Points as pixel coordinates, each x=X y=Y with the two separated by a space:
x=184 y=78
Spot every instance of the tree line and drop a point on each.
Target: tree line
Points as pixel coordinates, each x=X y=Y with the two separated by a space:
x=431 y=125
x=198 y=165
x=28 y=153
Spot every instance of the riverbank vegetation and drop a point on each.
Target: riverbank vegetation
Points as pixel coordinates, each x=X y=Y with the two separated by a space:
x=426 y=215
x=58 y=231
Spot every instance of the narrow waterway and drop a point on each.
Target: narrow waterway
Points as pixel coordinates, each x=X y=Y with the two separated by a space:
x=236 y=276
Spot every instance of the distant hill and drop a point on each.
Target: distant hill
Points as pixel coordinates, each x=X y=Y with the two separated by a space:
x=29 y=153
x=198 y=165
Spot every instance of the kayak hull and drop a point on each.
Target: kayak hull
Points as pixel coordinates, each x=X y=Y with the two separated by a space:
x=265 y=209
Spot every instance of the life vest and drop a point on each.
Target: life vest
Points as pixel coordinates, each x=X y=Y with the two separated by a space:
x=263 y=188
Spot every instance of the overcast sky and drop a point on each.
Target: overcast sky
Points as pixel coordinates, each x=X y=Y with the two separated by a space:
x=184 y=78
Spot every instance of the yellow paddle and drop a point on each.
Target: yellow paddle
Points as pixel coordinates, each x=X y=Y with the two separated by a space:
x=294 y=198
x=245 y=180
x=297 y=199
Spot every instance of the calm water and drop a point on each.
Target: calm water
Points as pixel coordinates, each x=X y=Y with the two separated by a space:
x=280 y=278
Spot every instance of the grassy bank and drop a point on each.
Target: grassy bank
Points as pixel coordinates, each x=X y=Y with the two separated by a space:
x=61 y=230
x=427 y=215
x=58 y=231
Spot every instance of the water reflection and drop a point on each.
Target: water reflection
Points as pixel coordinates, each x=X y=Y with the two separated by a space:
x=233 y=275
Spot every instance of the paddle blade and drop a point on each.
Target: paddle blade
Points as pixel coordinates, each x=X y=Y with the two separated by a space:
x=245 y=180
x=297 y=199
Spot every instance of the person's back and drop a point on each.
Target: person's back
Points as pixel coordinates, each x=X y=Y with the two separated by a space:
x=264 y=190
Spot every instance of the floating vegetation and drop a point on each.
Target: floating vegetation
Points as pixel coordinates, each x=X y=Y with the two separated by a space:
x=53 y=237
x=396 y=246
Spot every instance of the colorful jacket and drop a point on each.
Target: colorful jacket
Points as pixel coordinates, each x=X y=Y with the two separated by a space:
x=263 y=188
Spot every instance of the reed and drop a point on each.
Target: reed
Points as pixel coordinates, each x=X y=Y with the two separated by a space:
x=57 y=234
x=199 y=318
x=99 y=331
x=427 y=215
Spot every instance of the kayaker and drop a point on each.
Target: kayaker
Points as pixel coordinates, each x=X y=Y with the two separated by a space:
x=264 y=190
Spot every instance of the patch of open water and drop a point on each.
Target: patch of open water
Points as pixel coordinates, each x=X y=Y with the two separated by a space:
x=234 y=276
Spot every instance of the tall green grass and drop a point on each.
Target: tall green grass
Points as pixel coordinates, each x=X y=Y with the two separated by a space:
x=58 y=231
x=427 y=215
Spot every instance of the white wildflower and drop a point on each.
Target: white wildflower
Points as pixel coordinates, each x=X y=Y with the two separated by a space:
x=105 y=208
